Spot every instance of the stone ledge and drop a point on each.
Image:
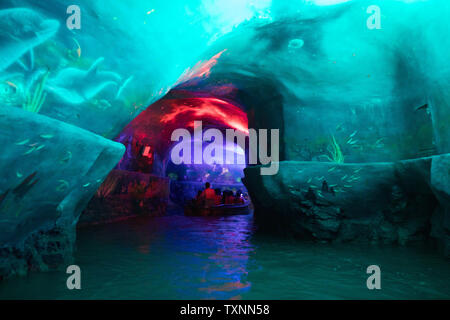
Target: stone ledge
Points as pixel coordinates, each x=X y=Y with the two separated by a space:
x=389 y=202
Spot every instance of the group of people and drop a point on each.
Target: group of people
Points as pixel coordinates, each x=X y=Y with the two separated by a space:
x=216 y=197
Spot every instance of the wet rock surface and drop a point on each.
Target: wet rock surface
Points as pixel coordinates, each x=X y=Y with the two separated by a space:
x=49 y=172
x=392 y=202
x=41 y=251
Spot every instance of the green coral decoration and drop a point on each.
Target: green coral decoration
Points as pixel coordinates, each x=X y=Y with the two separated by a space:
x=35 y=101
x=335 y=151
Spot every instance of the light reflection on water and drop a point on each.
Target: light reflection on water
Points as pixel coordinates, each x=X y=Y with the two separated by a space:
x=179 y=257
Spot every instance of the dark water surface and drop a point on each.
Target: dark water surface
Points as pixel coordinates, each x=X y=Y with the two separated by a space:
x=177 y=257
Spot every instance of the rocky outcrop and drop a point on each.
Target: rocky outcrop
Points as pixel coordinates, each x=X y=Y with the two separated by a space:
x=49 y=170
x=391 y=202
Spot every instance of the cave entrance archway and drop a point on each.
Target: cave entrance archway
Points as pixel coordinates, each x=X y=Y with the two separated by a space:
x=221 y=101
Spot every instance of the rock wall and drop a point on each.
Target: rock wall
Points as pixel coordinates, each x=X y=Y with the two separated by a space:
x=125 y=194
x=391 y=202
x=49 y=170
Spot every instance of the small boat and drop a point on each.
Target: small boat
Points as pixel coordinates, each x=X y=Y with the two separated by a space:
x=192 y=209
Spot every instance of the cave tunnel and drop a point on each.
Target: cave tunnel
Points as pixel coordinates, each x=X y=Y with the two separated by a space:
x=321 y=127
x=220 y=101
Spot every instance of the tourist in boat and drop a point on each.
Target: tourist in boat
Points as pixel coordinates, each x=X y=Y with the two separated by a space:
x=208 y=195
x=238 y=199
x=218 y=196
x=224 y=196
x=229 y=197
x=198 y=199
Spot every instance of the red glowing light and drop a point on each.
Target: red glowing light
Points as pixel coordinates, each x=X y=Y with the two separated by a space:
x=201 y=70
x=146 y=152
x=207 y=109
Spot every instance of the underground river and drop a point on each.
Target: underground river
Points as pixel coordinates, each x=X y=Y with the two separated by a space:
x=178 y=257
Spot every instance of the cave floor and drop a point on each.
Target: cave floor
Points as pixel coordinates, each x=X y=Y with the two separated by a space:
x=177 y=257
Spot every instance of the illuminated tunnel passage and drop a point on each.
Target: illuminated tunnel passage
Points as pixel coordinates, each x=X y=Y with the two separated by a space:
x=146 y=179
x=216 y=96
x=149 y=144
